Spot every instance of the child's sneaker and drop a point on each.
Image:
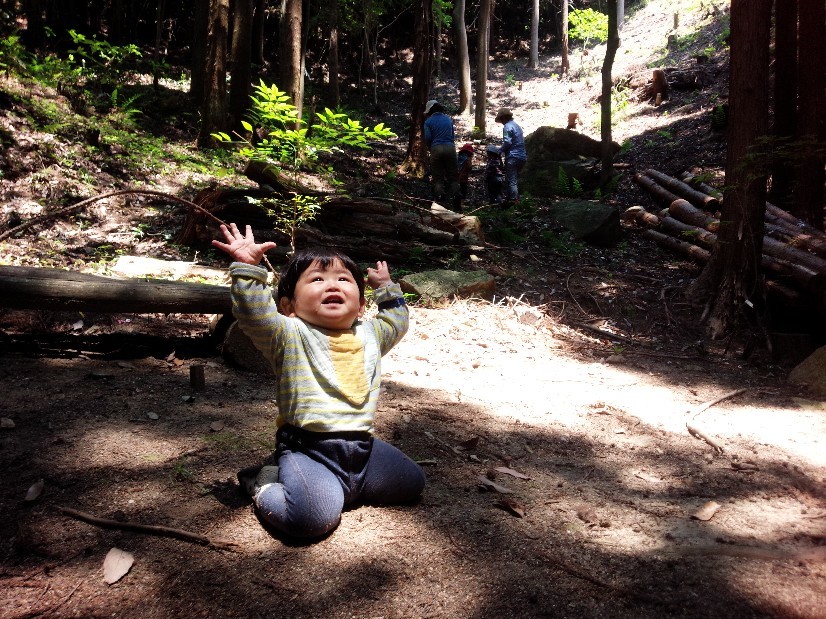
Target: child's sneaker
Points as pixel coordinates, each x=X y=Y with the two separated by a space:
x=253 y=478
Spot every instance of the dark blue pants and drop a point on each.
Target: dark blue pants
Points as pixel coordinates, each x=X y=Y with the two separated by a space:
x=321 y=473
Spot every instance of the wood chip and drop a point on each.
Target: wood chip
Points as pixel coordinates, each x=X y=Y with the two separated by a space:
x=706 y=511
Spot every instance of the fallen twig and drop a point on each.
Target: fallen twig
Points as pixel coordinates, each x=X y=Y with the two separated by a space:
x=122 y=192
x=181 y=534
x=696 y=432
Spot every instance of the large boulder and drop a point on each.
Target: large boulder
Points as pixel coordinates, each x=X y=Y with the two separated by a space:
x=444 y=284
x=811 y=372
x=551 y=149
x=591 y=222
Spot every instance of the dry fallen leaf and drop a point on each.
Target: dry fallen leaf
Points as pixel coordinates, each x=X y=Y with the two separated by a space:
x=489 y=485
x=706 y=511
x=471 y=443
x=34 y=492
x=586 y=513
x=511 y=472
x=116 y=565
x=514 y=507
x=6 y=423
x=216 y=426
x=649 y=478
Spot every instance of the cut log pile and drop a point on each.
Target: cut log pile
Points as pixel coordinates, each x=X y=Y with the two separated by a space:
x=794 y=253
x=360 y=227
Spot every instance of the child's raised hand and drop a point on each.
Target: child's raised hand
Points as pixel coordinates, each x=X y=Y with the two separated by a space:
x=242 y=247
x=380 y=276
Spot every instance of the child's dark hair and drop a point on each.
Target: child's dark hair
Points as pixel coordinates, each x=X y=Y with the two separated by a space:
x=301 y=261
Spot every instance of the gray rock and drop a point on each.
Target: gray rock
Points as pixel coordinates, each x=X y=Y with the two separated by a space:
x=551 y=149
x=443 y=284
x=591 y=222
x=812 y=372
x=239 y=351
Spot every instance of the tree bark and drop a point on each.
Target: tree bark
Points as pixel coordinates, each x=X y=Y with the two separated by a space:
x=214 y=103
x=483 y=50
x=241 y=61
x=289 y=54
x=533 y=63
x=258 y=34
x=198 y=76
x=809 y=192
x=607 y=170
x=731 y=281
x=414 y=163
x=333 y=55
x=463 y=59
x=785 y=97
x=59 y=290
x=565 y=64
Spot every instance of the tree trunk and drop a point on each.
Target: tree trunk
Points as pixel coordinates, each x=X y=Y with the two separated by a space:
x=156 y=52
x=533 y=63
x=258 y=34
x=785 y=98
x=241 y=61
x=333 y=55
x=463 y=58
x=809 y=193
x=414 y=163
x=565 y=64
x=289 y=54
x=214 y=103
x=607 y=170
x=198 y=77
x=35 y=36
x=731 y=281
x=59 y=290
x=485 y=14
x=437 y=50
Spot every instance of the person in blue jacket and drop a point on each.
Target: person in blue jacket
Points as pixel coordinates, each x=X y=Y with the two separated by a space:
x=513 y=151
x=440 y=141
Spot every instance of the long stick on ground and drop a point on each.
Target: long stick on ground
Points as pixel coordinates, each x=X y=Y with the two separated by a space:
x=181 y=534
x=696 y=432
x=123 y=192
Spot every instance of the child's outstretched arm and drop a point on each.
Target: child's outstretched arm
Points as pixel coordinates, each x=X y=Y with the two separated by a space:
x=392 y=319
x=380 y=276
x=242 y=247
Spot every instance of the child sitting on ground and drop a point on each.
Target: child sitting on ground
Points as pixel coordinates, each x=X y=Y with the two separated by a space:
x=328 y=367
x=494 y=175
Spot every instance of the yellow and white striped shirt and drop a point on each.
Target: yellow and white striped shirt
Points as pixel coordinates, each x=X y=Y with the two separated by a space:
x=328 y=381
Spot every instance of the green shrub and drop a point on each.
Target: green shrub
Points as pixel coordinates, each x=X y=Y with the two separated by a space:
x=587 y=25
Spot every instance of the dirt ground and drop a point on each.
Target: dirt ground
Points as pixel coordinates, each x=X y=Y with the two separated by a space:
x=552 y=425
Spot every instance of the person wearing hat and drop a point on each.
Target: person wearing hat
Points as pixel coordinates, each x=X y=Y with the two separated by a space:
x=513 y=151
x=465 y=164
x=440 y=141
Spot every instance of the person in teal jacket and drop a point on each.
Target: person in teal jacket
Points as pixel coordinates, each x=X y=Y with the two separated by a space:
x=327 y=364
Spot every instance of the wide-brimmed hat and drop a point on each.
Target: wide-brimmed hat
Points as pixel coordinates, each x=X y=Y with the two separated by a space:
x=468 y=147
x=503 y=114
x=429 y=105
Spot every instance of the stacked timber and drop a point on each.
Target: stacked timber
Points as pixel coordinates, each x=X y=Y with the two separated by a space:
x=794 y=253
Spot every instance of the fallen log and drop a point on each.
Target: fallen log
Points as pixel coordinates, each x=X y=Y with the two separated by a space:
x=800 y=276
x=690 y=214
x=778 y=249
x=655 y=189
x=669 y=242
x=57 y=290
x=692 y=181
x=792 y=237
x=697 y=198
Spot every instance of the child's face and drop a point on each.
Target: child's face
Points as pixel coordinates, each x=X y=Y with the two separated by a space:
x=326 y=297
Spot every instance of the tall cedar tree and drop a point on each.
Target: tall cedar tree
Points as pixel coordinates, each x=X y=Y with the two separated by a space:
x=731 y=281
x=214 y=102
x=483 y=46
x=240 y=86
x=605 y=104
x=414 y=163
x=291 y=79
x=785 y=98
x=462 y=58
